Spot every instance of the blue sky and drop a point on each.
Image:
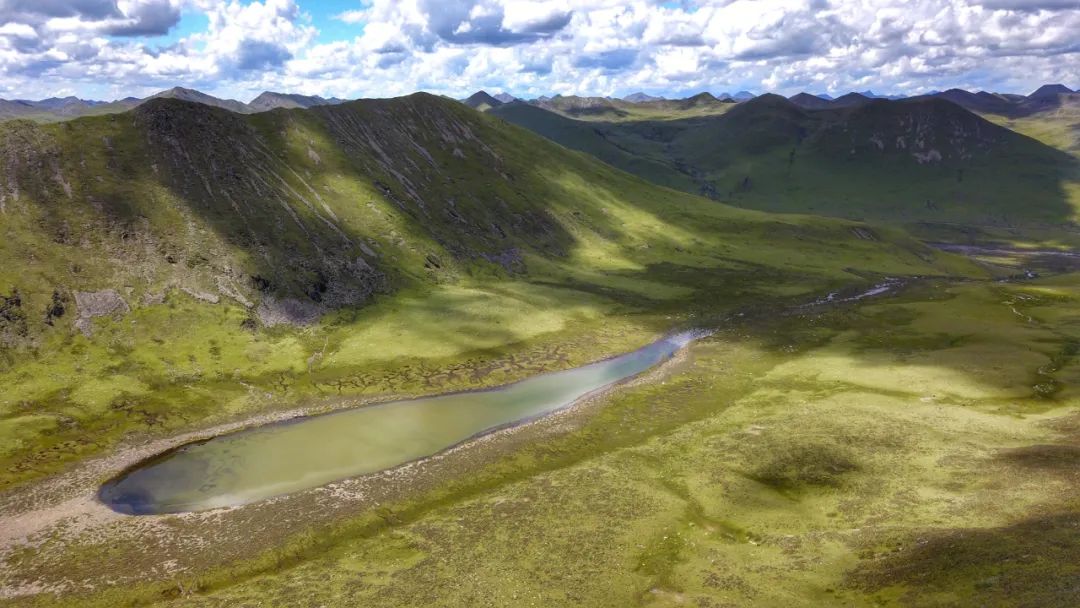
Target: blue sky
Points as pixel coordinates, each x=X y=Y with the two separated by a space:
x=377 y=48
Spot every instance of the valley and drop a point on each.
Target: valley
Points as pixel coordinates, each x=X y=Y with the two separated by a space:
x=924 y=163
x=883 y=414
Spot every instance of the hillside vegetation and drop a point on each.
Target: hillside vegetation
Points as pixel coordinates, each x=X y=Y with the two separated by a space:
x=180 y=271
x=923 y=162
x=179 y=265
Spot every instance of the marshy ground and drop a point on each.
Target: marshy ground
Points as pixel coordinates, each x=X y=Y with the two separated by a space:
x=918 y=448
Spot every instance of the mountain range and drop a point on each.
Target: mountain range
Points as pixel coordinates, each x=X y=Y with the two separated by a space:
x=56 y=108
x=182 y=265
x=920 y=162
x=53 y=109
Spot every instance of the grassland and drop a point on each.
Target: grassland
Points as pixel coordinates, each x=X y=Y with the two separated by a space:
x=899 y=453
x=430 y=275
x=801 y=455
x=925 y=164
x=917 y=449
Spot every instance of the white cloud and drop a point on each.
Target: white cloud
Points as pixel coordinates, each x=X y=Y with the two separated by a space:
x=352 y=17
x=532 y=47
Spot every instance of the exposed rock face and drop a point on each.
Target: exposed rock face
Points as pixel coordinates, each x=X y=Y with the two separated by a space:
x=13 y=328
x=91 y=304
x=289 y=214
x=289 y=311
x=201 y=295
x=219 y=162
x=510 y=260
x=99 y=303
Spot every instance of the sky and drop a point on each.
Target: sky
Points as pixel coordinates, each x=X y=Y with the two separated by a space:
x=109 y=49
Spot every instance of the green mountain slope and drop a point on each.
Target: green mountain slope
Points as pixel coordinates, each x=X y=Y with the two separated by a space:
x=180 y=264
x=603 y=109
x=593 y=140
x=914 y=161
x=1051 y=119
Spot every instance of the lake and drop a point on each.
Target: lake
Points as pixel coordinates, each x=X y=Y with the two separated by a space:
x=302 y=453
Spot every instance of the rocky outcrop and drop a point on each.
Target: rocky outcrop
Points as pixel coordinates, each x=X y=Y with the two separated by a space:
x=91 y=304
x=289 y=311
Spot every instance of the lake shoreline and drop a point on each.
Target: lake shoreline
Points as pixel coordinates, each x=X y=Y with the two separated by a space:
x=74 y=495
x=67 y=505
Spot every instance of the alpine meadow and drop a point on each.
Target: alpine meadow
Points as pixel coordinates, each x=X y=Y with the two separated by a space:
x=548 y=303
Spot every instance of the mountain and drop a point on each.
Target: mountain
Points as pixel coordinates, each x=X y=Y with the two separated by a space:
x=641 y=97
x=480 y=100
x=64 y=106
x=978 y=102
x=604 y=109
x=17 y=109
x=269 y=100
x=572 y=104
x=872 y=95
x=1050 y=90
x=175 y=258
x=849 y=100
x=199 y=97
x=920 y=161
x=808 y=101
x=1049 y=102
x=587 y=137
x=1054 y=104
x=701 y=99
x=637 y=106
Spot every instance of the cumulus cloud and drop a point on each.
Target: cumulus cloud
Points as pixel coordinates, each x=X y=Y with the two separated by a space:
x=534 y=47
x=1030 y=5
x=108 y=17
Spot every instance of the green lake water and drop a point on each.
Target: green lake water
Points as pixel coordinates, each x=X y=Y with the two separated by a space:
x=303 y=453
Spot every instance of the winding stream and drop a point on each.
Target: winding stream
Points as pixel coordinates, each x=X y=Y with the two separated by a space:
x=299 y=454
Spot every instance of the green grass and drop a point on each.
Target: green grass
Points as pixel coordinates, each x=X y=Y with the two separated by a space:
x=892 y=453
x=773 y=488
x=177 y=197
x=793 y=458
x=859 y=163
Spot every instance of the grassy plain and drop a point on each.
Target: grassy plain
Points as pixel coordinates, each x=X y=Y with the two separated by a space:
x=902 y=452
x=913 y=450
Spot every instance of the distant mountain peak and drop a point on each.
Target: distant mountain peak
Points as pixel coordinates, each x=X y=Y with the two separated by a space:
x=640 y=97
x=1050 y=90
x=808 y=101
x=269 y=100
x=850 y=100
x=482 y=100
x=743 y=96
x=185 y=94
x=704 y=96
x=506 y=97
x=872 y=95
